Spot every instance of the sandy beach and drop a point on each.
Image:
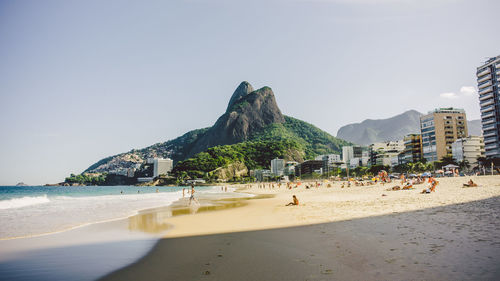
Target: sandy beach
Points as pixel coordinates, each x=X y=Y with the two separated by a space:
x=351 y=233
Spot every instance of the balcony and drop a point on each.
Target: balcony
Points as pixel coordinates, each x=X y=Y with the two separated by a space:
x=492 y=134
x=488 y=108
x=485 y=90
x=486 y=102
x=491 y=146
x=487 y=115
x=486 y=96
x=488 y=127
x=484 y=78
x=492 y=121
x=485 y=85
x=484 y=72
x=486 y=142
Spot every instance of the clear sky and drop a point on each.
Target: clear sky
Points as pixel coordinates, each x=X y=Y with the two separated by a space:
x=82 y=80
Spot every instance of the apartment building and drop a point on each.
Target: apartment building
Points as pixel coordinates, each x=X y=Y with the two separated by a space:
x=413 y=149
x=488 y=82
x=469 y=148
x=277 y=167
x=439 y=129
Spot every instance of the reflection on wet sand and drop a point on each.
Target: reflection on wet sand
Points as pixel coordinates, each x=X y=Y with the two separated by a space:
x=156 y=220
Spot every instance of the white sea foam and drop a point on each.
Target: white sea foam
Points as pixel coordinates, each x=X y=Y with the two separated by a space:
x=23 y=202
x=42 y=214
x=62 y=212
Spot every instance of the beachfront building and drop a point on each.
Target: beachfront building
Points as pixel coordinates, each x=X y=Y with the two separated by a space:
x=308 y=167
x=347 y=154
x=277 y=167
x=413 y=149
x=488 y=82
x=331 y=158
x=386 y=153
x=261 y=175
x=290 y=168
x=330 y=161
x=439 y=129
x=162 y=166
x=357 y=152
x=469 y=149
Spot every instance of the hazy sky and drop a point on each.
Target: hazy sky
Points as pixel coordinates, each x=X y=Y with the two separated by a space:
x=82 y=80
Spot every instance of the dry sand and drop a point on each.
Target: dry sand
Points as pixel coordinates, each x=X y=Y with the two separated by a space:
x=352 y=233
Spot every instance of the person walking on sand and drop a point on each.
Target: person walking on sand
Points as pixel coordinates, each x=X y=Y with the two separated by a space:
x=183 y=191
x=294 y=203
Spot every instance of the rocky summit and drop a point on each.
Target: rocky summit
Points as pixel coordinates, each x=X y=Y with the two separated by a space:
x=247 y=113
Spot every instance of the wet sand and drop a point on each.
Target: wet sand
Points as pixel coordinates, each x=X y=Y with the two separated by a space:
x=336 y=234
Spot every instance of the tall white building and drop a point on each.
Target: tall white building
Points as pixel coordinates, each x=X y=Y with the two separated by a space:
x=162 y=166
x=469 y=148
x=277 y=167
x=386 y=153
x=347 y=154
x=488 y=83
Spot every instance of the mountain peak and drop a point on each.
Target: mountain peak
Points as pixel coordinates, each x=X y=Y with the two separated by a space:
x=243 y=90
x=378 y=130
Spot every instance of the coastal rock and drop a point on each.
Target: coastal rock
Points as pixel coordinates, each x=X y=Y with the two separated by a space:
x=234 y=170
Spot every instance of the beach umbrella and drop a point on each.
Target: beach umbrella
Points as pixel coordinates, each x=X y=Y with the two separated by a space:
x=450 y=166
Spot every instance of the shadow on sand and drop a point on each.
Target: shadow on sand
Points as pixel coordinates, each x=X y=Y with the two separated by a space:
x=455 y=242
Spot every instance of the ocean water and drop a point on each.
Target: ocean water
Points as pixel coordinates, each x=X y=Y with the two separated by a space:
x=27 y=211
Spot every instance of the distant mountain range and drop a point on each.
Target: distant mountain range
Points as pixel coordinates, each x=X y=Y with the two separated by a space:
x=391 y=129
x=251 y=116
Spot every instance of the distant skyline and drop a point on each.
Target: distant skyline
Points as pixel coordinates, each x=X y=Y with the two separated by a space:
x=83 y=80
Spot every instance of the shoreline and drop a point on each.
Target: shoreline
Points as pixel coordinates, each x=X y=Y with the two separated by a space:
x=88 y=244
x=79 y=224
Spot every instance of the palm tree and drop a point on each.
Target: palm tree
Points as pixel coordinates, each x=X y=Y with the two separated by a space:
x=464 y=165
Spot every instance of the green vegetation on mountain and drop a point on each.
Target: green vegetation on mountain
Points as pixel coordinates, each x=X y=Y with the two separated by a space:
x=86 y=179
x=312 y=140
x=253 y=154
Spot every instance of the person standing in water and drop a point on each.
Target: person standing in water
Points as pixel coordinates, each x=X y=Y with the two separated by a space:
x=192 y=195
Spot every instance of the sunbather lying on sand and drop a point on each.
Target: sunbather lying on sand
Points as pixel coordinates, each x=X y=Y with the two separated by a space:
x=470 y=184
x=432 y=186
x=408 y=185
